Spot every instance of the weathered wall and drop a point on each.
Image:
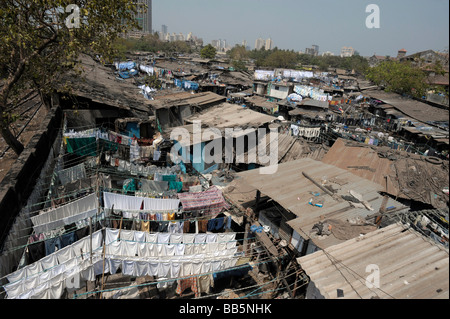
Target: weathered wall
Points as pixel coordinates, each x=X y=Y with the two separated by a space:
x=19 y=182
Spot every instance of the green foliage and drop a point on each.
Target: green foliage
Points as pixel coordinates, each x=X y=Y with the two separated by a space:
x=289 y=59
x=208 y=52
x=152 y=81
x=238 y=65
x=38 y=44
x=150 y=43
x=399 y=77
x=238 y=53
x=282 y=59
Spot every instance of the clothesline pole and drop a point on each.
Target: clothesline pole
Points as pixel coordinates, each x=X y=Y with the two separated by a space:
x=103 y=273
x=90 y=235
x=120 y=227
x=247 y=228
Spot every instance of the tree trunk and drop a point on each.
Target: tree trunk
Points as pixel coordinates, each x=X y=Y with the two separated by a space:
x=11 y=140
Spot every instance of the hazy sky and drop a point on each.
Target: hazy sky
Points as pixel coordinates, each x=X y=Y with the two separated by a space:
x=414 y=25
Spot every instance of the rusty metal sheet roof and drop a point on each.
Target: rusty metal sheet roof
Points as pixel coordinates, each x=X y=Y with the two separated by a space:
x=410 y=266
x=227 y=115
x=291 y=148
x=344 y=154
x=185 y=98
x=289 y=188
x=418 y=110
x=410 y=176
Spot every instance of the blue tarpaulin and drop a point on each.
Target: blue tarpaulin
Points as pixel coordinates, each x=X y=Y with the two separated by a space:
x=127 y=74
x=125 y=65
x=187 y=85
x=177 y=82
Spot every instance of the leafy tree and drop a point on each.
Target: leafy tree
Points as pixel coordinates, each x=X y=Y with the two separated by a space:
x=42 y=39
x=208 y=52
x=177 y=46
x=239 y=65
x=152 y=81
x=238 y=53
x=281 y=59
x=399 y=77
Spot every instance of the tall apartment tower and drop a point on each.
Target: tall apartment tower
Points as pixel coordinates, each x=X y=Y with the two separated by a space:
x=269 y=44
x=144 y=19
x=259 y=44
x=316 y=49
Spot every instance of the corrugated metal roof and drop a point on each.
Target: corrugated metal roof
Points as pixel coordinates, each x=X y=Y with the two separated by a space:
x=410 y=176
x=316 y=103
x=185 y=98
x=291 y=148
x=261 y=102
x=289 y=188
x=410 y=266
x=228 y=115
x=343 y=154
x=415 y=109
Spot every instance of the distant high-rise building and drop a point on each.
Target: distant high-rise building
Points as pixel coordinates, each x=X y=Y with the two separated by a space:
x=328 y=53
x=215 y=44
x=269 y=44
x=244 y=43
x=180 y=37
x=347 y=52
x=314 y=50
x=220 y=45
x=143 y=18
x=259 y=43
x=163 y=33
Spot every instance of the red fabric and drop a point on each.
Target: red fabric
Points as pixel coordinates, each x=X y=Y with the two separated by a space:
x=184 y=284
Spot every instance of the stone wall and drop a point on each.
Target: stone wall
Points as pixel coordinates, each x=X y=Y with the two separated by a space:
x=19 y=182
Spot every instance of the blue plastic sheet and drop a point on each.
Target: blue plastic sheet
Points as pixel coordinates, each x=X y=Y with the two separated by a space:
x=126 y=65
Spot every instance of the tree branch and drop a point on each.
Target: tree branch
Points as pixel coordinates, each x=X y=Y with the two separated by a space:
x=13 y=78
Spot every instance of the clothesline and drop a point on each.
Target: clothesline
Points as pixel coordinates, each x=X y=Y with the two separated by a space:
x=120 y=202
x=10 y=287
x=31 y=269
x=255 y=264
x=102 y=217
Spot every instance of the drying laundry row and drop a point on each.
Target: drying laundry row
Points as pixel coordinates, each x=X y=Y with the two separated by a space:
x=70 y=266
x=298 y=130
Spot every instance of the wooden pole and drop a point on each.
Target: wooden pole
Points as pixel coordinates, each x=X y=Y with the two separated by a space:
x=317 y=184
x=103 y=273
x=120 y=227
x=247 y=228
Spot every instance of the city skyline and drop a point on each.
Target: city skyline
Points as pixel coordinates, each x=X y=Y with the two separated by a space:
x=408 y=24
